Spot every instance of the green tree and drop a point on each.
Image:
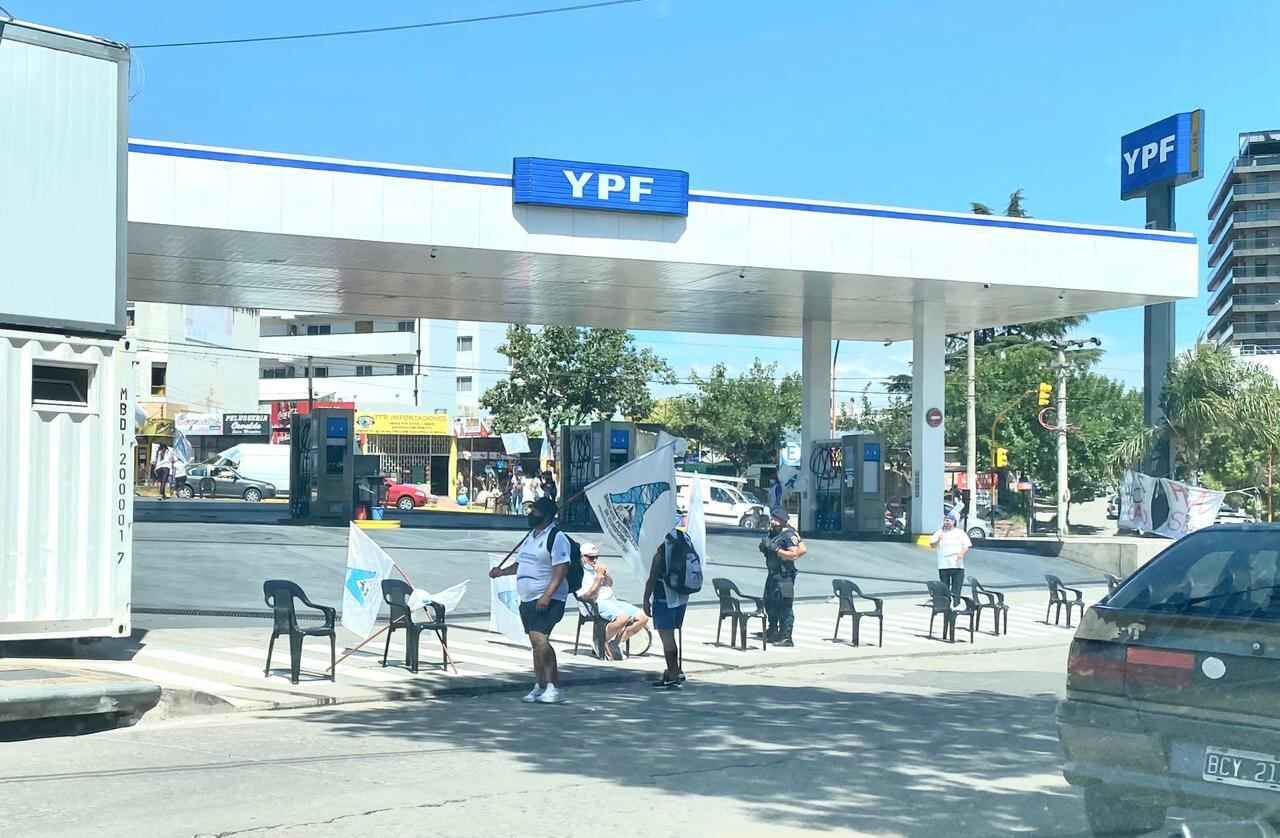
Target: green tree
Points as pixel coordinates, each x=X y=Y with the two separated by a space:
x=741 y=417
x=1222 y=415
x=567 y=375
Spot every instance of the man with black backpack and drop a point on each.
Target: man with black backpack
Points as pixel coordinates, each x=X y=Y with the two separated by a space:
x=781 y=548
x=548 y=565
x=674 y=574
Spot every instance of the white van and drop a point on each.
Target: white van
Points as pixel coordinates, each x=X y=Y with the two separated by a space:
x=724 y=502
x=259 y=461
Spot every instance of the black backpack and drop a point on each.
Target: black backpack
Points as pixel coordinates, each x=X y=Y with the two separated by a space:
x=574 y=574
x=682 y=566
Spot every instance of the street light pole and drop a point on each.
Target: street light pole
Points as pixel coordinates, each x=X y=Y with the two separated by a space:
x=1063 y=497
x=311 y=388
x=834 y=359
x=1064 y=492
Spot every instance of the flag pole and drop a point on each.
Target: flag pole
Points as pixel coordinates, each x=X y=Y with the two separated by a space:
x=353 y=649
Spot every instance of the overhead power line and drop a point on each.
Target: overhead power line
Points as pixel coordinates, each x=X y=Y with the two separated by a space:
x=581 y=7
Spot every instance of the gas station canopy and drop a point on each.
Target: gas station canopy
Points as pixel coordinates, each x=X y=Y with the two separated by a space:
x=234 y=228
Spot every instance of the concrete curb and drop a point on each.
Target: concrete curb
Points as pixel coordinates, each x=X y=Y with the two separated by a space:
x=128 y=699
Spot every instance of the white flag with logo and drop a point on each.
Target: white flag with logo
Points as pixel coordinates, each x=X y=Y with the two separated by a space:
x=697 y=526
x=1191 y=508
x=367 y=565
x=449 y=597
x=1136 y=492
x=636 y=506
x=504 y=607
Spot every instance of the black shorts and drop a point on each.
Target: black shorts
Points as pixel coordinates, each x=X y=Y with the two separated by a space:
x=541 y=621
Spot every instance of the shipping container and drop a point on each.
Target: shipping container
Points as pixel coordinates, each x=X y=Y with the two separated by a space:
x=63 y=204
x=66 y=509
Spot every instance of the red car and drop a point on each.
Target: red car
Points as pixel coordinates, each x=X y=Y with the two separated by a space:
x=404 y=495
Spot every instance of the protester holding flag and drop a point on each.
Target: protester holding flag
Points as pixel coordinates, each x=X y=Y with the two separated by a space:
x=540 y=568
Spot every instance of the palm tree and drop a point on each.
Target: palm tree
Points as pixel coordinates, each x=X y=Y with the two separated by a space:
x=1208 y=389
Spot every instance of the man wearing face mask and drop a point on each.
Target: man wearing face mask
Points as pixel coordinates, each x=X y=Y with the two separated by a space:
x=540 y=569
x=781 y=548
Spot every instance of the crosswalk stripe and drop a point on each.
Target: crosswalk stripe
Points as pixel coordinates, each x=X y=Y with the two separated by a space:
x=314 y=664
x=167 y=678
x=252 y=673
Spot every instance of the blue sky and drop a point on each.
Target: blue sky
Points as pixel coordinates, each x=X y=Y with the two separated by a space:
x=915 y=104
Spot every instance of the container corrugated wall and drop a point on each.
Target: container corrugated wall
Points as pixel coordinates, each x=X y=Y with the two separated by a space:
x=62 y=149
x=66 y=512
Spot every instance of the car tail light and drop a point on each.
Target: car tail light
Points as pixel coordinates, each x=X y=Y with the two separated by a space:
x=1159 y=667
x=1096 y=665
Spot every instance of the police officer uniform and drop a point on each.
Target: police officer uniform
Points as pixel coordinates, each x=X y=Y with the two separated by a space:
x=779 y=586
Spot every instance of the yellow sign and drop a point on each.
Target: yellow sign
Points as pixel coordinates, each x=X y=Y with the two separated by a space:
x=406 y=424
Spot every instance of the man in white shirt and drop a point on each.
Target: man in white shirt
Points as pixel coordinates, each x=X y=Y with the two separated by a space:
x=540 y=569
x=625 y=620
x=951 y=543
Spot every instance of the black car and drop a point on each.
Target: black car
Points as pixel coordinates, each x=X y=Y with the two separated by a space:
x=1173 y=686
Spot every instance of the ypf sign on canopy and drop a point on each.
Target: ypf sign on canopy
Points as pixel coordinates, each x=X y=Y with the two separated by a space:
x=1168 y=152
x=599 y=186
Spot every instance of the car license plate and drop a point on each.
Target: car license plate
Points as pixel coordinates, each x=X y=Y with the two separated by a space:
x=1242 y=768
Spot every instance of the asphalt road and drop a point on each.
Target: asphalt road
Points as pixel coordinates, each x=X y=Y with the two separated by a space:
x=221 y=566
x=952 y=744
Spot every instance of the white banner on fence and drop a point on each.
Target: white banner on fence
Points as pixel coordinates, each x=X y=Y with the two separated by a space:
x=697 y=525
x=1136 y=492
x=1191 y=508
x=504 y=607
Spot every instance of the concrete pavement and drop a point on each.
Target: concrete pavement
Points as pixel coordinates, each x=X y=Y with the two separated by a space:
x=219 y=666
x=929 y=745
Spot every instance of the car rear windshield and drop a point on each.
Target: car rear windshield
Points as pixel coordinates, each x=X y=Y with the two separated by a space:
x=1222 y=572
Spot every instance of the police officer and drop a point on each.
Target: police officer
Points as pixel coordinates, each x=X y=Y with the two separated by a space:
x=781 y=548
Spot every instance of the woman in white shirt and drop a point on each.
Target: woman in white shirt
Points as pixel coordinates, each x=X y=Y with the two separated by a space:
x=951 y=543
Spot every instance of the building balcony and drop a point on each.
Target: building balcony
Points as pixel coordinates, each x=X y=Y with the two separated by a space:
x=1247 y=331
x=357 y=388
x=390 y=345
x=1222 y=298
x=1220 y=325
x=1256 y=302
x=1245 y=164
x=1243 y=245
x=1230 y=222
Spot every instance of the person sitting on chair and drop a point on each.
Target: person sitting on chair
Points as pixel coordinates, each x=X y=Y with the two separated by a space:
x=625 y=620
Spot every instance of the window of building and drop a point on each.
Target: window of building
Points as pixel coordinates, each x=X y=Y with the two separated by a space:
x=404 y=326
x=364 y=369
x=130 y=315
x=404 y=369
x=59 y=386
x=364 y=327
x=159 y=372
x=293 y=329
x=464 y=384
x=319 y=329
x=465 y=343
x=320 y=372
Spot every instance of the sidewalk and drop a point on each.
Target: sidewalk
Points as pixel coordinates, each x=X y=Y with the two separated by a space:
x=221 y=669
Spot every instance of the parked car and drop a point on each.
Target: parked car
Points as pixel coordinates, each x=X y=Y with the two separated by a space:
x=223 y=481
x=1113 y=508
x=1228 y=515
x=1172 y=684
x=727 y=505
x=404 y=496
x=979 y=528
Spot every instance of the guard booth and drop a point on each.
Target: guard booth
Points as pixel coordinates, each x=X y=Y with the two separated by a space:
x=589 y=452
x=848 y=480
x=321 y=461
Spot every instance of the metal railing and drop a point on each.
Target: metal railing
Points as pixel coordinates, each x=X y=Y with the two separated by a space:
x=1256 y=187
x=1246 y=216
x=1244 y=327
x=1256 y=300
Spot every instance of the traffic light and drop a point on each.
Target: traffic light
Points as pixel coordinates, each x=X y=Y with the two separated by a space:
x=1045 y=391
x=1002 y=458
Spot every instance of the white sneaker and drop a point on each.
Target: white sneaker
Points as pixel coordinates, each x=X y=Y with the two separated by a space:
x=534 y=694
x=551 y=695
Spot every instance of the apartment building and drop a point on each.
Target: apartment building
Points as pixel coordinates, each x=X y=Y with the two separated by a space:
x=1244 y=247
x=419 y=365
